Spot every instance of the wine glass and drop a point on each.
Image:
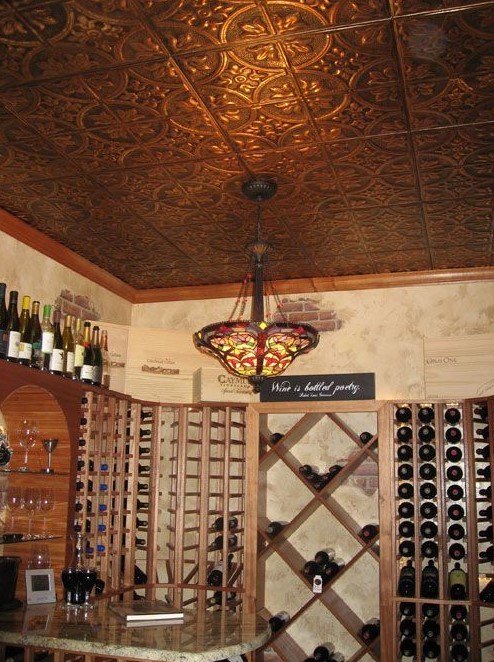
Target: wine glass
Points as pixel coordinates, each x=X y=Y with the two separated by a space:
x=46 y=503
x=15 y=501
x=27 y=435
x=49 y=446
x=39 y=557
x=31 y=504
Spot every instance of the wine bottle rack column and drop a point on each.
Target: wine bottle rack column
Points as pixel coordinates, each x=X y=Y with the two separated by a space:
x=304 y=497
x=442 y=536
x=206 y=513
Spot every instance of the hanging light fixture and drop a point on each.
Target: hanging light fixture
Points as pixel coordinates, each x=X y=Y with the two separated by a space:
x=259 y=347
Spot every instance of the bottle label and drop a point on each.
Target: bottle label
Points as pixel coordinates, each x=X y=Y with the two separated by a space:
x=25 y=351
x=3 y=342
x=87 y=372
x=78 y=356
x=69 y=362
x=47 y=342
x=13 y=344
x=56 y=360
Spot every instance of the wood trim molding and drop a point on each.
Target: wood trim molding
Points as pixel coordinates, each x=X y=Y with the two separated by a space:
x=40 y=242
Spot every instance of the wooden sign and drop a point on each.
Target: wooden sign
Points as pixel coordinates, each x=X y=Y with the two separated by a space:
x=310 y=388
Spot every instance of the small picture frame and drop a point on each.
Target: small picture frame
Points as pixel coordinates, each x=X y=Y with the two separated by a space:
x=40 y=586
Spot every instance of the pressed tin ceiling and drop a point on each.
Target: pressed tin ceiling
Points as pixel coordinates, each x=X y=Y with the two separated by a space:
x=128 y=126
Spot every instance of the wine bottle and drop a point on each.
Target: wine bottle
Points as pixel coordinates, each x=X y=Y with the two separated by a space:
x=217 y=598
x=429 y=587
x=308 y=471
x=427 y=471
x=428 y=509
x=232 y=541
x=427 y=452
x=456 y=512
x=332 y=569
x=459 y=632
x=486 y=492
x=408 y=647
x=68 y=348
x=406 y=509
x=459 y=653
x=406 y=529
x=403 y=414
x=484 y=452
x=458 y=612
x=406 y=548
x=370 y=630
x=324 y=652
x=141 y=523
x=486 y=534
x=481 y=412
x=453 y=435
x=274 y=528
x=3 y=321
x=35 y=338
x=431 y=649
x=430 y=628
x=5 y=450
x=332 y=472
x=279 y=620
x=405 y=490
x=453 y=454
x=105 y=357
x=455 y=492
x=405 y=471
x=487 y=554
x=456 y=551
x=454 y=472
x=428 y=529
x=406 y=581
x=484 y=472
x=141 y=505
x=429 y=549
x=486 y=513
x=487 y=593
x=311 y=569
x=404 y=453
x=428 y=490
x=408 y=628
x=425 y=414
x=324 y=556
x=404 y=434
x=97 y=357
x=426 y=433
x=56 y=358
x=86 y=374
x=78 y=337
x=407 y=608
x=365 y=437
x=430 y=610
x=457 y=583
x=218 y=523
x=47 y=337
x=140 y=542
x=456 y=531
x=25 y=347
x=276 y=437
x=452 y=415
x=215 y=576
x=369 y=532
x=12 y=331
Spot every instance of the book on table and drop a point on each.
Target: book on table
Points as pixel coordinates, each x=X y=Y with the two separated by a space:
x=146 y=610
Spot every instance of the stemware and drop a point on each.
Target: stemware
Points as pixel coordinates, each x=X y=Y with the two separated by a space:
x=39 y=557
x=15 y=501
x=31 y=504
x=49 y=446
x=27 y=435
x=46 y=503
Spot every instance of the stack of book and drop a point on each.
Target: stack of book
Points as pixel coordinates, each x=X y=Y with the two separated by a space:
x=147 y=612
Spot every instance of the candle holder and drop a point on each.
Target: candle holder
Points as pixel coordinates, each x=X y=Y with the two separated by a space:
x=49 y=446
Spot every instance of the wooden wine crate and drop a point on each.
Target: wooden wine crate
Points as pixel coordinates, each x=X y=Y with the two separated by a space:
x=216 y=385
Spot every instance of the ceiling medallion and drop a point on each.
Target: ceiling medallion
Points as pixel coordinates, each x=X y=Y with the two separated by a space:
x=259 y=347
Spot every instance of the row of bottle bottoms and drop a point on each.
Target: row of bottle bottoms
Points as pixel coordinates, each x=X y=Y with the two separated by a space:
x=76 y=351
x=426 y=414
x=367 y=533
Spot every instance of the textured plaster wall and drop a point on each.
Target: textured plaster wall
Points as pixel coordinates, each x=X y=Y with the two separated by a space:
x=43 y=279
x=379 y=331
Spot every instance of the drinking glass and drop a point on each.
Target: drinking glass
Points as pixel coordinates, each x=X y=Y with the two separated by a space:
x=15 y=501
x=39 y=557
x=31 y=504
x=49 y=445
x=27 y=435
x=46 y=503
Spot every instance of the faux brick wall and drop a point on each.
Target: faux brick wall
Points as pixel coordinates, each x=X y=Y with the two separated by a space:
x=76 y=305
x=307 y=310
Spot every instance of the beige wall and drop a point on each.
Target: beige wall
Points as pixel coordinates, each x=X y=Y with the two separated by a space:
x=40 y=277
x=382 y=331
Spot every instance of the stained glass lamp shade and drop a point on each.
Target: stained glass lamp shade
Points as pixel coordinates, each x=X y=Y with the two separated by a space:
x=259 y=347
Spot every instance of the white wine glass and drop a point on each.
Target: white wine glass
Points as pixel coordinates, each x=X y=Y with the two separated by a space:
x=15 y=501
x=46 y=503
x=27 y=435
x=31 y=504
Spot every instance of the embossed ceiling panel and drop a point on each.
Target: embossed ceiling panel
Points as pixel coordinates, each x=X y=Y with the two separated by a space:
x=128 y=126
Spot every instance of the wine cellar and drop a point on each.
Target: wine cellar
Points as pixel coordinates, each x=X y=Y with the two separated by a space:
x=361 y=528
